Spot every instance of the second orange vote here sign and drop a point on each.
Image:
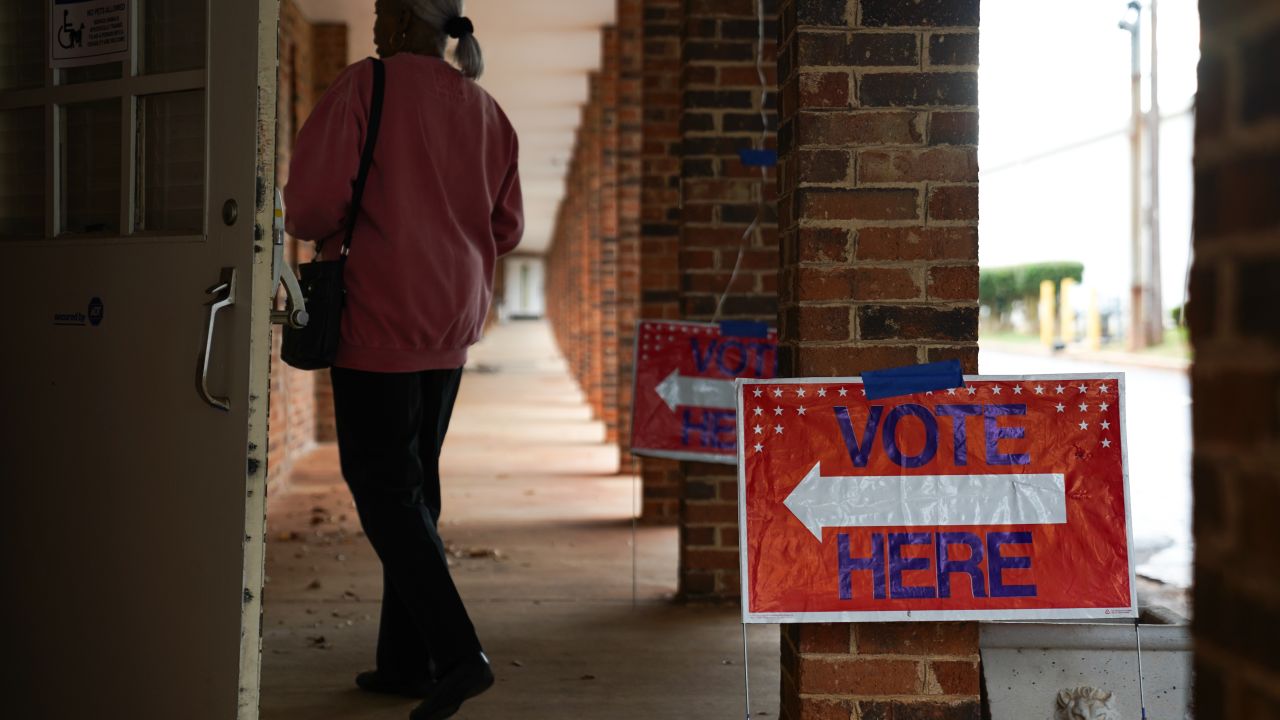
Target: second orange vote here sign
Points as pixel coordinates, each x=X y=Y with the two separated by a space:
x=1003 y=499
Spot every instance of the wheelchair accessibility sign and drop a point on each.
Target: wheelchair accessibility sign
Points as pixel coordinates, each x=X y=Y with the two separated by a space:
x=88 y=32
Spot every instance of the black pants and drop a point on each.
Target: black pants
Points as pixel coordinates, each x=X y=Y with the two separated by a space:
x=391 y=427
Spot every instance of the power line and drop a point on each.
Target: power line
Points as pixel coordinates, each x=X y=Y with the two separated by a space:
x=1078 y=144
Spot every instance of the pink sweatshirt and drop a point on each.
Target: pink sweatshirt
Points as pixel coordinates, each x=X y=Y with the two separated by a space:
x=442 y=203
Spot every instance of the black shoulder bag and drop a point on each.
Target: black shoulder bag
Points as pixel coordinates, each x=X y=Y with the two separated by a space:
x=315 y=345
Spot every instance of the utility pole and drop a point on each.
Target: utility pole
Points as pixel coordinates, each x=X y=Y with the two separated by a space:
x=1155 y=301
x=1137 y=328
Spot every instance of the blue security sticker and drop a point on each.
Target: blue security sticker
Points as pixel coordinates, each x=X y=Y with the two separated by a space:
x=95 y=312
x=91 y=315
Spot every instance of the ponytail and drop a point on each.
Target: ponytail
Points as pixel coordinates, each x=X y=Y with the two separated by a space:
x=467 y=56
x=445 y=16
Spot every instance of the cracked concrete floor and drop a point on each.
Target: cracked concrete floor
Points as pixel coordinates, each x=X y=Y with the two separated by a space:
x=539 y=522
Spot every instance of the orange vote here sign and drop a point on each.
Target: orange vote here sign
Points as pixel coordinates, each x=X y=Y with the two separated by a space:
x=683 y=405
x=1006 y=498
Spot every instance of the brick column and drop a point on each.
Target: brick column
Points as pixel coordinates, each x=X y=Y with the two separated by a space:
x=559 y=280
x=329 y=56
x=630 y=101
x=582 y=260
x=301 y=402
x=608 y=237
x=594 y=146
x=879 y=213
x=329 y=59
x=660 y=215
x=721 y=109
x=1235 y=381
x=577 y=258
x=291 y=421
x=568 y=302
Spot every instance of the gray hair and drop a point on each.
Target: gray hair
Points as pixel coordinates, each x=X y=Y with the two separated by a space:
x=436 y=13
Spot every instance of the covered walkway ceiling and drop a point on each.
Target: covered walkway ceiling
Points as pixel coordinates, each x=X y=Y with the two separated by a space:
x=537 y=57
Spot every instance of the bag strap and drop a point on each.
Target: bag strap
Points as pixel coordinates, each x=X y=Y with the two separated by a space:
x=366 y=156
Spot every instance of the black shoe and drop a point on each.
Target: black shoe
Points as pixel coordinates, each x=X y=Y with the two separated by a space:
x=462 y=682
x=373 y=681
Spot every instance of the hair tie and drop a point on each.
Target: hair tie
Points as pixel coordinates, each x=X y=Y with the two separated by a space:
x=456 y=27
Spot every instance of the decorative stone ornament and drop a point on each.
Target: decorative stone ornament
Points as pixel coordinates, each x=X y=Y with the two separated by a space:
x=1086 y=703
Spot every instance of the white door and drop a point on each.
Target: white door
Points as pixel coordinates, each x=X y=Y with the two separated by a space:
x=132 y=475
x=523 y=277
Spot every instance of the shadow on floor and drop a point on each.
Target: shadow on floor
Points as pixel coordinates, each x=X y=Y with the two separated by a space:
x=543 y=558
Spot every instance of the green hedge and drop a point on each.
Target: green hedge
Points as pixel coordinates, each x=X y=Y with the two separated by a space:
x=999 y=288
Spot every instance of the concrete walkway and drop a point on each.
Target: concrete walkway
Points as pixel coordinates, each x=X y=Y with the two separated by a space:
x=539 y=522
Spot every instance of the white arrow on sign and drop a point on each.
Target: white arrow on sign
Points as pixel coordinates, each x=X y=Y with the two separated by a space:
x=677 y=390
x=927 y=500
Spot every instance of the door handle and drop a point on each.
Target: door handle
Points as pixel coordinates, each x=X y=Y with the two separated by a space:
x=228 y=287
x=295 y=313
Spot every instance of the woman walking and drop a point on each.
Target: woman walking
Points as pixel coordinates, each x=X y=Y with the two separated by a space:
x=441 y=203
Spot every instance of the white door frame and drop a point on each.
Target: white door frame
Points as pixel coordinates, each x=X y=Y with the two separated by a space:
x=255 y=512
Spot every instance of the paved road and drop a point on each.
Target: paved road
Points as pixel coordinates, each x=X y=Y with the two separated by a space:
x=1158 y=418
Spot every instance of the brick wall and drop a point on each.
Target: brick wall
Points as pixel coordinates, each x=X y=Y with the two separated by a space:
x=593 y=116
x=291 y=425
x=557 y=283
x=721 y=107
x=1235 y=381
x=630 y=99
x=898 y=671
x=562 y=310
x=311 y=56
x=609 y=79
x=594 y=273
x=329 y=42
x=660 y=215
x=878 y=210
x=573 y=262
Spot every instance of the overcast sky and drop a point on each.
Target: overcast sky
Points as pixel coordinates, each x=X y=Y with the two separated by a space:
x=1055 y=73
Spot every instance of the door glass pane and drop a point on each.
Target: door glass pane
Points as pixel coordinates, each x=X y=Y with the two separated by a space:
x=171 y=162
x=22 y=45
x=172 y=35
x=92 y=73
x=22 y=172
x=91 y=167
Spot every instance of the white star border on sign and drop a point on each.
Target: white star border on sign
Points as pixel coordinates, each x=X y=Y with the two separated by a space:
x=763 y=432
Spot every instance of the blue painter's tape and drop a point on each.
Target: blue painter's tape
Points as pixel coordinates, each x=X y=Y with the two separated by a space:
x=758 y=158
x=744 y=328
x=911 y=379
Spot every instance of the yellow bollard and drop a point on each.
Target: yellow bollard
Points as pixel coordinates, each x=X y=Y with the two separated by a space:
x=1067 y=312
x=1047 y=313
x=1094 y=337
